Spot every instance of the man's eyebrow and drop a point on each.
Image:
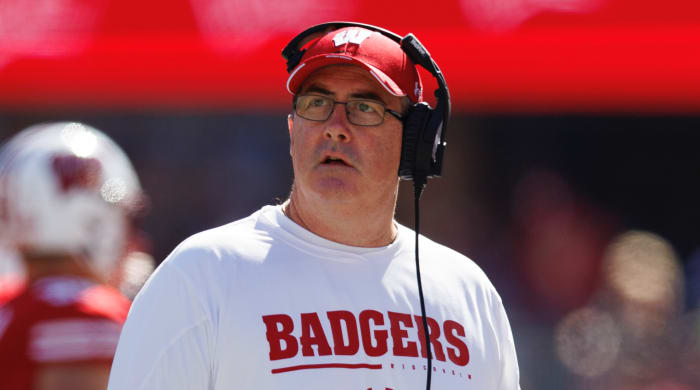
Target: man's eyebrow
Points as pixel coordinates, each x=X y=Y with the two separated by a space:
x=315 y=88
x=368 y=95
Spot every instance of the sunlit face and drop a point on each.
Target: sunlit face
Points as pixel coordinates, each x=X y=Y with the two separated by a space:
x=335 y=160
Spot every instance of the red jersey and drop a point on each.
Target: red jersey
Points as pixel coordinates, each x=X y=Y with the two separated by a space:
x=58 y=319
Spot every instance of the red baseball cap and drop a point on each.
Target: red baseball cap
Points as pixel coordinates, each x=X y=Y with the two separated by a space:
x=381 y=56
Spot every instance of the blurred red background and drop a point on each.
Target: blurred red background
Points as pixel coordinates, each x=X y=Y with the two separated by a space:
x=505 y=56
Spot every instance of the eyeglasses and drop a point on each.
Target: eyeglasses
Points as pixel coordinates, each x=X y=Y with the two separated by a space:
x=359 y=112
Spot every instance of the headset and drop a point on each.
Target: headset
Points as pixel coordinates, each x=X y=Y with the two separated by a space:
x=424 y=128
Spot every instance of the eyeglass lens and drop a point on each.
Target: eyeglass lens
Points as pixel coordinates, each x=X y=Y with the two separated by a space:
x=359 y=112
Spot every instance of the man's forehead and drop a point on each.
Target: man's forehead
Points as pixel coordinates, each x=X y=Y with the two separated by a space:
x=344 y=76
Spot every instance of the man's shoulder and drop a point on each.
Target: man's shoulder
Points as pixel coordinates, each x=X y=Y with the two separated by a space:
x=444 y=259
x=445 y=254
x=231 y=234
x=226 y=243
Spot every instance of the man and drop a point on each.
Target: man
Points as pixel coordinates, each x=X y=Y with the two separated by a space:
x=320 y=292
x=67 y=195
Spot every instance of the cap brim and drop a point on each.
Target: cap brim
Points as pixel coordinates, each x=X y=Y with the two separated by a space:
x=298 y=75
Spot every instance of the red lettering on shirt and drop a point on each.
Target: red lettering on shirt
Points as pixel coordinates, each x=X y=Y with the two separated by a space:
x=459 y=355
x=434 y=330
x=337 y=319
x=276 y=335
x=371 y=328
x=398 y=334
x=380 y=335
x=312 y=334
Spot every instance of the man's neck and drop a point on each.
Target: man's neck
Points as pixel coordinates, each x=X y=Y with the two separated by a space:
x=348 y=224
x=41 y=266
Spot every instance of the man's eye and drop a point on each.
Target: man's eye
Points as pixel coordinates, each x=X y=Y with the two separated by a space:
x=317 y=102
x=365 y=107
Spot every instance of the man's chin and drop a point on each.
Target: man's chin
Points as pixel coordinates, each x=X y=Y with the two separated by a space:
x=336 y=190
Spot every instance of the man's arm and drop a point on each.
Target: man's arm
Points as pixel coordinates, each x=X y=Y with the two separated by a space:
x=510 y=374
x=165 y=343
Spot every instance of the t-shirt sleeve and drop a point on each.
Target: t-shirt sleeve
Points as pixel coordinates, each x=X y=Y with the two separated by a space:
x=510 y=374
x=166 y=340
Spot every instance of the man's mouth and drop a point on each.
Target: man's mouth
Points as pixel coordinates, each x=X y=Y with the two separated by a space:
x=334 y=161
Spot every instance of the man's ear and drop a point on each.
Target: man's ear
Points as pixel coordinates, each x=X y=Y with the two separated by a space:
x=290 y=126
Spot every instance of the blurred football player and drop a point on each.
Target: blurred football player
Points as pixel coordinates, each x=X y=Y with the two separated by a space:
x=67 y=197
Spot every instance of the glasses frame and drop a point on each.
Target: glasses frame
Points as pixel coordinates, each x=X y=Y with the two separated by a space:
x=347 y=112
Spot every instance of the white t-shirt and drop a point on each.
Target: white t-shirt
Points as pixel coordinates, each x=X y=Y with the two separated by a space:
x=262 y=303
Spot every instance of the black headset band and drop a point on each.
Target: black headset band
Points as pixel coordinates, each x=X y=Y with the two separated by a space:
x=293 y=51
x=410 y=44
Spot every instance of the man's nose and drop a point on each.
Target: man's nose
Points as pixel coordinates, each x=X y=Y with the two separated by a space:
x=337 y=125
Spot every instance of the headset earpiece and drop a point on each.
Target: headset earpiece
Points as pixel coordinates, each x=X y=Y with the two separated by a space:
x=415 y=120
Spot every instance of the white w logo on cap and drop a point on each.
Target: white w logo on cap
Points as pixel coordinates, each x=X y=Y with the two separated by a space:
x=355 y=36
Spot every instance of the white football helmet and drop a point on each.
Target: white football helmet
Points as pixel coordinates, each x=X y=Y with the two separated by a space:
x=67 y=188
